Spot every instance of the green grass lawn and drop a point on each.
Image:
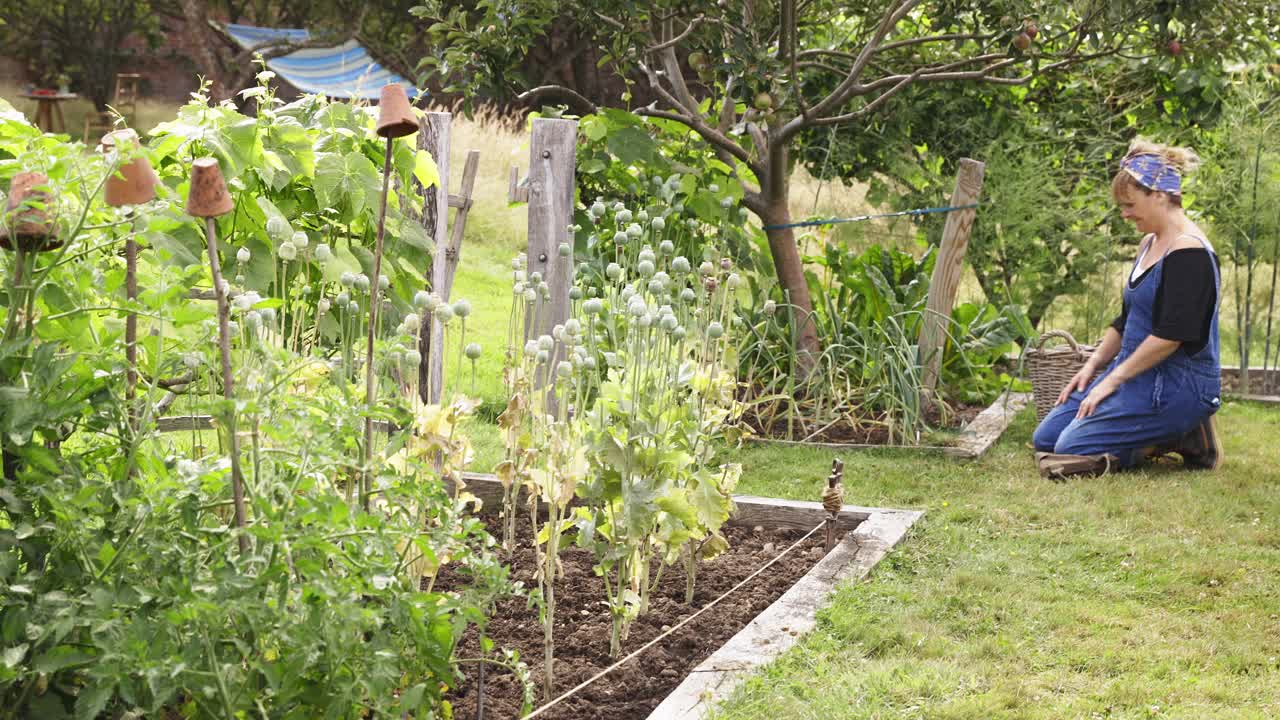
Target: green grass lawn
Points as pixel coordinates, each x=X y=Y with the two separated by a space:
x=1150 y=594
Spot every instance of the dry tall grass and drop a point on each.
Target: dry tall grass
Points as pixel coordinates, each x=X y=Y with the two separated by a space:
x=502 y=144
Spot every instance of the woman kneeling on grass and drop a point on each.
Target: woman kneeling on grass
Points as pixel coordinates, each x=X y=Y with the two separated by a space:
x=1160 y=388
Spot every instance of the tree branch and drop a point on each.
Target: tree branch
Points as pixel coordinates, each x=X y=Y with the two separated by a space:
x=717 y=139
x=844 y=90
x=822 y=66
x=787 y=50
x=899 y=82
x=576 y=102
x=616 y=23
x=671 y=66
x=806 y=54
x=678 y=38
x=933 y=38
x=727 y=112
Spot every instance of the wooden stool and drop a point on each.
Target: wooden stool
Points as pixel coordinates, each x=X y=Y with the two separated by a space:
x=124 y=102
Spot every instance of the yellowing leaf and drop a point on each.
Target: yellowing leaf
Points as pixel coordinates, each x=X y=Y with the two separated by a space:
x=434 y=422
x=425 y=170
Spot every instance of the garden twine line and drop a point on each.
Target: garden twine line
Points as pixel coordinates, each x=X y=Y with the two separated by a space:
x=672 y=629
x=860 y=218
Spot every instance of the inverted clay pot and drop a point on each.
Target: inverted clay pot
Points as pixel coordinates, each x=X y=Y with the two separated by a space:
x=208 y=196
x=134 y=182
x=28 y=228
x=395 y=115
x=115 y=138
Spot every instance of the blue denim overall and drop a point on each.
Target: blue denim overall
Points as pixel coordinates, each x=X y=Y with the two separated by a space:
x=1157 y=406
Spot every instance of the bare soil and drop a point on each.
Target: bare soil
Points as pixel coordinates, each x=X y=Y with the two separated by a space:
x=583 y=628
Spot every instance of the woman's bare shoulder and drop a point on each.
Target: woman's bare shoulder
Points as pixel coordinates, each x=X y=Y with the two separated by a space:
x=1190 y=238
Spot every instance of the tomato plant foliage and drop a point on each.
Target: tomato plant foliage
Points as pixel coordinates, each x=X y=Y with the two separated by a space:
x=121 y=586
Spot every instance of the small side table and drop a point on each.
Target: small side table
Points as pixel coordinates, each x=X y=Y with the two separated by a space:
x=48 y=113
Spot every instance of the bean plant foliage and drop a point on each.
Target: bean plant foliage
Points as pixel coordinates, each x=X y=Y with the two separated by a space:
x=123 y=588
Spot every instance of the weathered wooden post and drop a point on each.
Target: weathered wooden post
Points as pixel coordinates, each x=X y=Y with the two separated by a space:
x=552 y=179
x=434 y=138
x=552 y=166
x=946 y=271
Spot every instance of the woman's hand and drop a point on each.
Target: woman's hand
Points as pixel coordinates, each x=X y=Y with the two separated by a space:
x=1100 y=392
x=1079 y=381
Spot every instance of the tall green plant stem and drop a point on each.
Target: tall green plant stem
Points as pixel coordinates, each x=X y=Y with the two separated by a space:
x=691 y=571
x=375 y=289
x=131 y=335
x=17 y=292
x=1271 y=306
x=228 y=381
x=1246 y=332
x=8 y=459
x=549 y=596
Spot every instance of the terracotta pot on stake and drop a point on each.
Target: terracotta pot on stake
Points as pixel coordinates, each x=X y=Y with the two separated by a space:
x=395 y=119
x=132 y=183
x=26 y=228
x=208 y=198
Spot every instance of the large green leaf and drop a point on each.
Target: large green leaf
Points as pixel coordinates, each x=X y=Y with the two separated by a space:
x=632 y=145
x=349 y=180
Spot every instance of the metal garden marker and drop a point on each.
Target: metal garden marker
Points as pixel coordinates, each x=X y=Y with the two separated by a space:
x=395 y=119
x=208 y=198
x=133 y=183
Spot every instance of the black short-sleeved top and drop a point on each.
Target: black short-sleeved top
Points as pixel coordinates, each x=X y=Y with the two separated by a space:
x=1185 y=299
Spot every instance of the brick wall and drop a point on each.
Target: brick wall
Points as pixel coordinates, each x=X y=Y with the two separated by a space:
x=11 y=72
x=167 y=71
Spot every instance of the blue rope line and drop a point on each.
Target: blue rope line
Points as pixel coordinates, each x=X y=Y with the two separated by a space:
x=859 y=218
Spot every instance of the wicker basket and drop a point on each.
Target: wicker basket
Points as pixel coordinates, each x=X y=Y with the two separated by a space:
x=1050 y=370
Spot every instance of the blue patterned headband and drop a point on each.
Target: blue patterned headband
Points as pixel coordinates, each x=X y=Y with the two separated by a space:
x=1153 y=172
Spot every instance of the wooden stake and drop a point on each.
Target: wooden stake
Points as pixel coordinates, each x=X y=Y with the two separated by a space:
x=228 y=381
x=434 y=138
x=833 y=500
x=131 y=331
x=375 y=299
x=552 y=160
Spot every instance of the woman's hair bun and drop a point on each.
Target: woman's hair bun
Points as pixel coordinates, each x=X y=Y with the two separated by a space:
x=1184 y=159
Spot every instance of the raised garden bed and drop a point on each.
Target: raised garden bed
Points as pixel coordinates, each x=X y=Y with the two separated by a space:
x=868 y=432
x=683 y=674
x=1264 y=385
x=977 y=435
